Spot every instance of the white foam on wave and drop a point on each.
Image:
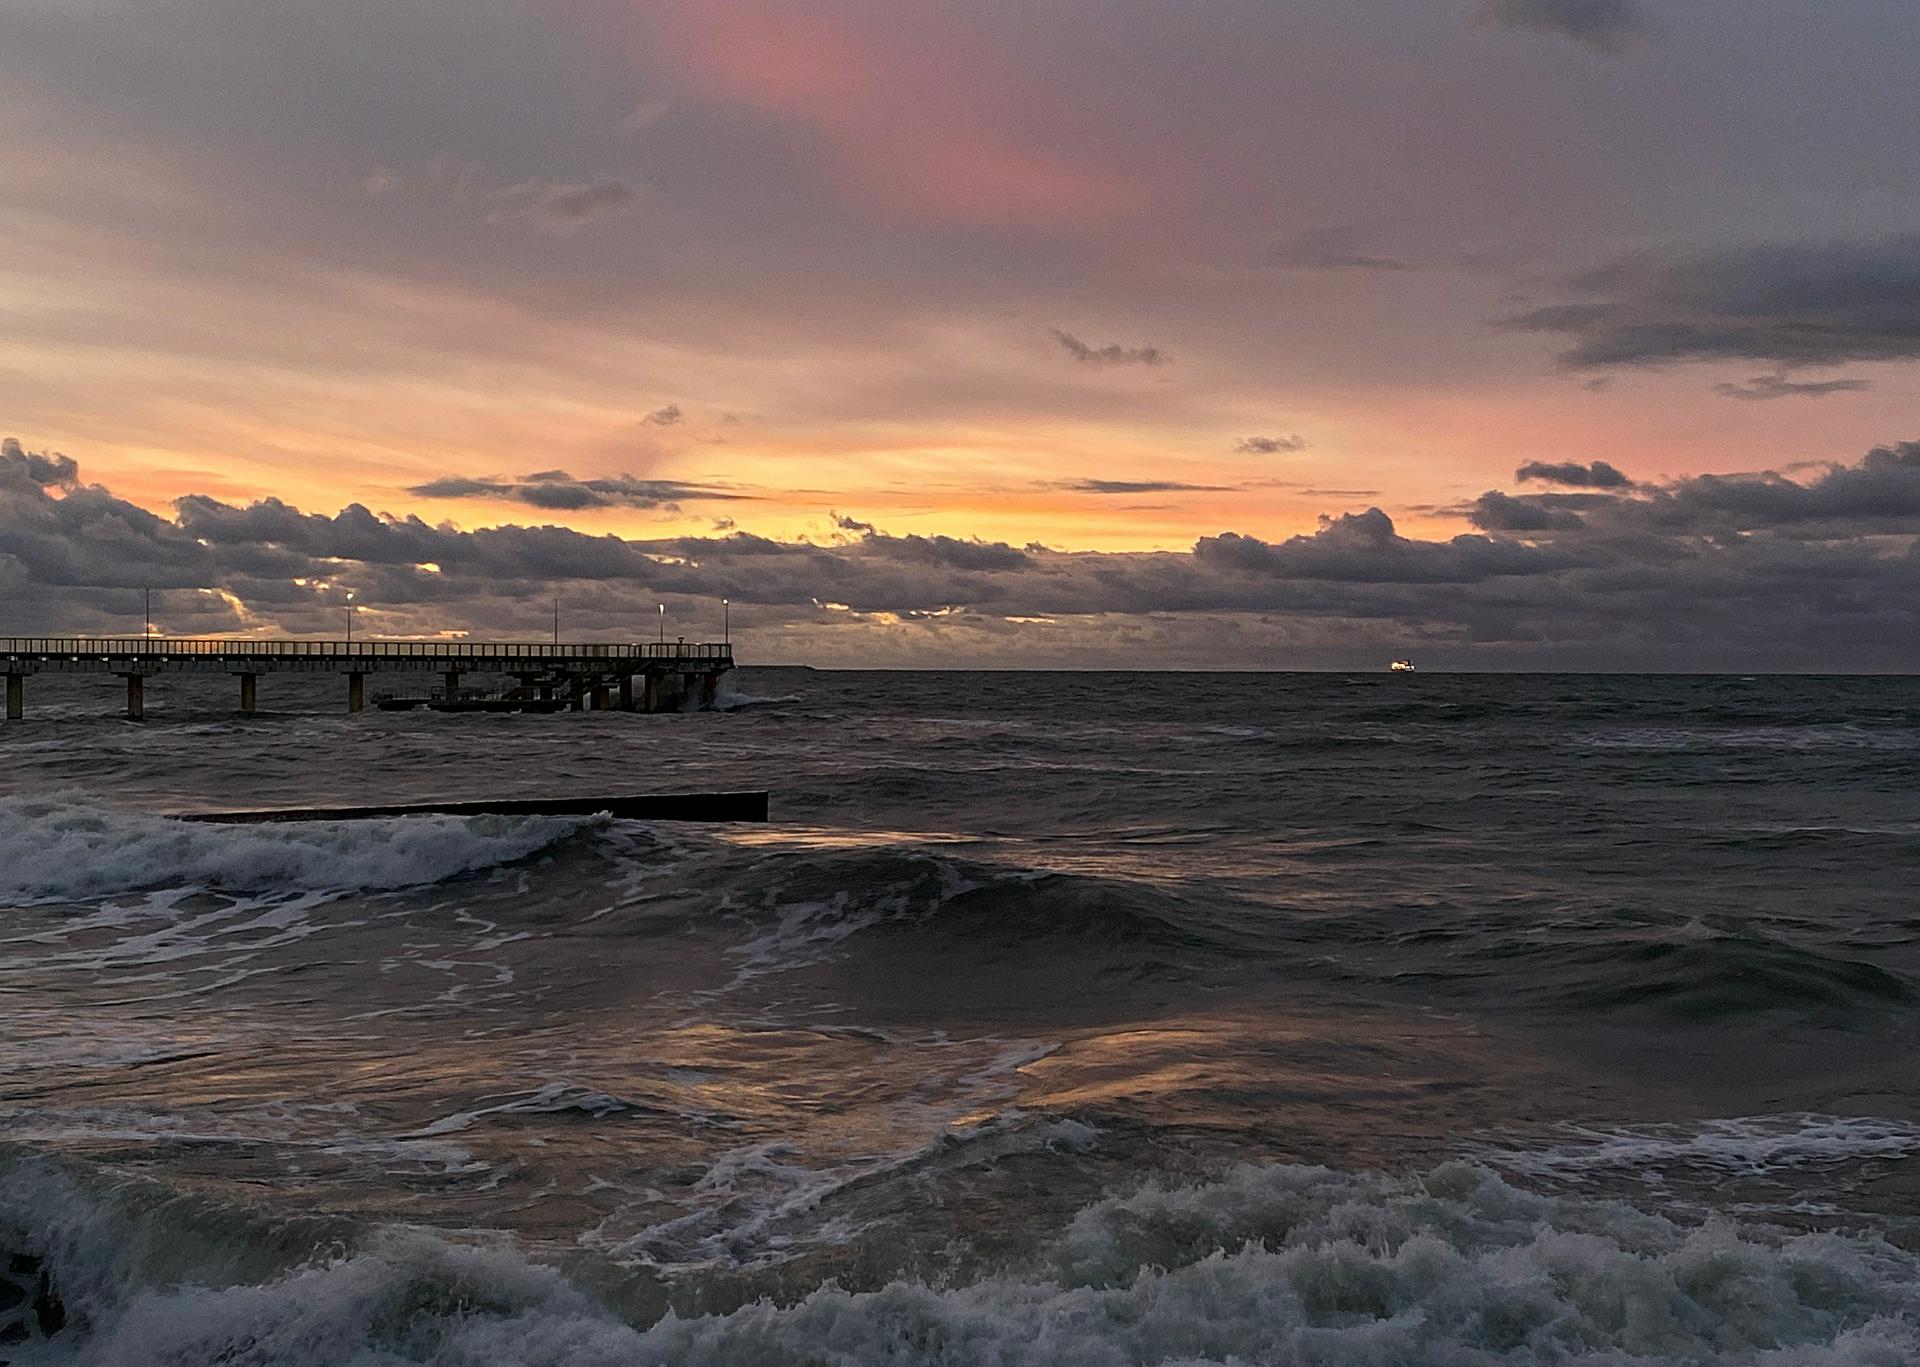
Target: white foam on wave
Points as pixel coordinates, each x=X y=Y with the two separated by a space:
x=552 y=1099
x=291 y=1129
x=1817 y=736
x=72 y=849
x=748 y=1204
x=1748 y=1146
x=812 y=931
x=730 y=698
x=1276 y=1264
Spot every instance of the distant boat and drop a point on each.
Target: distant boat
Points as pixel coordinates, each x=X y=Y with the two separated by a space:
x=1401 y=666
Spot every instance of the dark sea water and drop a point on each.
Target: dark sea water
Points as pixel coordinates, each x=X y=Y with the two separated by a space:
x=1083 y=1019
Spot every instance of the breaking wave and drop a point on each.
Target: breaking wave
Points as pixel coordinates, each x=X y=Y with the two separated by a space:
x=1455 y=1268
x=70 y=849
x=732 y=698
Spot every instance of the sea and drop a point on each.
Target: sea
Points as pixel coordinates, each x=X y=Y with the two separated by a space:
x=1357 y=1020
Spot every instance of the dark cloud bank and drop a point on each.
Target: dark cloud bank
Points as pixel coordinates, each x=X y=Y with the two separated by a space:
x=1736 y=572
x=1790 y=303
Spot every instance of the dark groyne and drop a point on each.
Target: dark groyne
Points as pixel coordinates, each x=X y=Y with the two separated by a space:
x=716 y=807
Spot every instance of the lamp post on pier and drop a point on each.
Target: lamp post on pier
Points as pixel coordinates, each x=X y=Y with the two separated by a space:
x=726 y=621
x=663 y=624
x=349 y=616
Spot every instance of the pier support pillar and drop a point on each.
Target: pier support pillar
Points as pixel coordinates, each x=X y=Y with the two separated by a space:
x=546 y=692
x=356 y=692
x=16 y=696
x=136 y=697
x=249 y=692
x=709 y=690
x=602 y=697
x=626 y=692
x=452 y=681
x=650 y=694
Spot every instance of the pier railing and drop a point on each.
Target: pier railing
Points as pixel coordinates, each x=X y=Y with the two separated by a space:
x=586 y=670
x=159 y=647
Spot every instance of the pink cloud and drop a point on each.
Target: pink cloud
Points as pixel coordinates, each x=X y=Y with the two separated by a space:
x=923 y=118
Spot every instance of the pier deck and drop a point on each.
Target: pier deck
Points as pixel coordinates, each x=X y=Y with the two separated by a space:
x=646 y=676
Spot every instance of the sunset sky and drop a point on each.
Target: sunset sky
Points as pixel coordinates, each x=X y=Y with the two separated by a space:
x=781 y=292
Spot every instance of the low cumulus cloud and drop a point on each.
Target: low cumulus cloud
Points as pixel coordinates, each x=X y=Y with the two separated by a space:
x=1494 y=511
x=1815 y=570
x=1365 y=548
x=1793 y=304
x=1877 y=496
x=1764 y=387
x=1574 y=475
x=41 y=470
x=1603 y=26
x=561 y=492
x=1111 y=354
x=1270 y=446
x=1881 y=494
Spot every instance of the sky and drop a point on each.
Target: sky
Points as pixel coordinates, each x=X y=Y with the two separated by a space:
x=1060 y=333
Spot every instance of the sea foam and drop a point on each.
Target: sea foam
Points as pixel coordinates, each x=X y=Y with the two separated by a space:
x=1271 y=1264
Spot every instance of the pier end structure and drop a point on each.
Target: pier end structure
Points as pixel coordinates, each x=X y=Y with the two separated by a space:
x=587 y=674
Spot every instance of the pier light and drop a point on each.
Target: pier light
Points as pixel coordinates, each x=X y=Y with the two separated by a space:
x=726 y=621
x=663 y=624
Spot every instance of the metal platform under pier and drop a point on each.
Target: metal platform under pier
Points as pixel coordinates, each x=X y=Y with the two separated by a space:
x=627 y=676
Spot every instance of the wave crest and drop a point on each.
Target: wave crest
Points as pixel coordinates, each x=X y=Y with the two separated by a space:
x=807 y=906
x=71 y=849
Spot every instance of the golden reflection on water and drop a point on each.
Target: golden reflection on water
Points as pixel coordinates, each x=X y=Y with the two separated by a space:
x=1309 y=1070
x=1148 y=858
x=834 y=837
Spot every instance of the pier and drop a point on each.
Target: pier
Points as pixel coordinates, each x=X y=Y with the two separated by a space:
x=628 y=677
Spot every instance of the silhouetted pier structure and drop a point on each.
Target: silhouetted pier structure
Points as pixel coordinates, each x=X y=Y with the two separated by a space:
x=633 y=677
